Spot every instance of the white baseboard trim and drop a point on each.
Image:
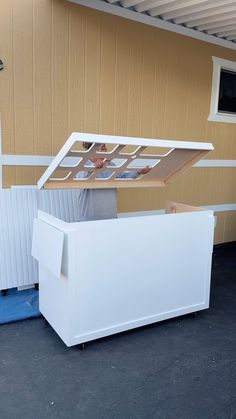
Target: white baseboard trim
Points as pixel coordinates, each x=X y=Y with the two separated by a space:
x=21 y=160
x=215 y=163
x=30 y=160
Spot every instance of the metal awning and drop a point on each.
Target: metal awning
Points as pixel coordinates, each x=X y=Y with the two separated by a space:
x=212 y=21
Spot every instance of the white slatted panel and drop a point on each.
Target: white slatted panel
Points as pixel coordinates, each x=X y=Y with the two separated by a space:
x=18 y=208
x=62 y=204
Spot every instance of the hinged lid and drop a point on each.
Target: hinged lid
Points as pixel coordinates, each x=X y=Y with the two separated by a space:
x=125 y=156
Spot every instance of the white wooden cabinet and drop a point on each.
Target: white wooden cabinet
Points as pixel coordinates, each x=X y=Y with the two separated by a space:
x=102 y=277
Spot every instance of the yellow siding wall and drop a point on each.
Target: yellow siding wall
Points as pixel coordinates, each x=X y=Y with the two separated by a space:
x=70 y=68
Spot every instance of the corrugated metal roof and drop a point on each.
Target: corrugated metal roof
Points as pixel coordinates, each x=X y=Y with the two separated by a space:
x=210 y=20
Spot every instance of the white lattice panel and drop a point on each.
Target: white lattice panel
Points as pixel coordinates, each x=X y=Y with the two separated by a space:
x=167 y=159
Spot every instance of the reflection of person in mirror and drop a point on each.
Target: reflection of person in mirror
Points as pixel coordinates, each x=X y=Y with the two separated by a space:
x=100 y=204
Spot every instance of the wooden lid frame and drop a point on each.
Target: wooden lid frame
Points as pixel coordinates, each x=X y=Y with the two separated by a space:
x=72 y=158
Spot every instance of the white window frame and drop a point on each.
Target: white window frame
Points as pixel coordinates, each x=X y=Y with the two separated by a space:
x=215 y=115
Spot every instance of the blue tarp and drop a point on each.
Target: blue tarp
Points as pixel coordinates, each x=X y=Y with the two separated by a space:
x=19 y=305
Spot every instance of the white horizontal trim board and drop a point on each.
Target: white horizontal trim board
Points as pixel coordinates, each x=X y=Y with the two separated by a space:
x=23 y=160
x=215 y=163
x=153 y=21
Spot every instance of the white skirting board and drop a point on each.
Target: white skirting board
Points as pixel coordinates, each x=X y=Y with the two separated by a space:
x=18 y=208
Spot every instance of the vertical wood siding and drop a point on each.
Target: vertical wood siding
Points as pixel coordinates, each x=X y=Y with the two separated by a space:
x=70 y=68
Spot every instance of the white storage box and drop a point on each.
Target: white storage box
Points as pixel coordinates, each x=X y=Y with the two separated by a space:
x=102 y=277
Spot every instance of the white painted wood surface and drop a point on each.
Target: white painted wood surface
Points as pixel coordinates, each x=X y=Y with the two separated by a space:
x=18 y=208
x=124 y=273
x=165 y=165
x=52 y=239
